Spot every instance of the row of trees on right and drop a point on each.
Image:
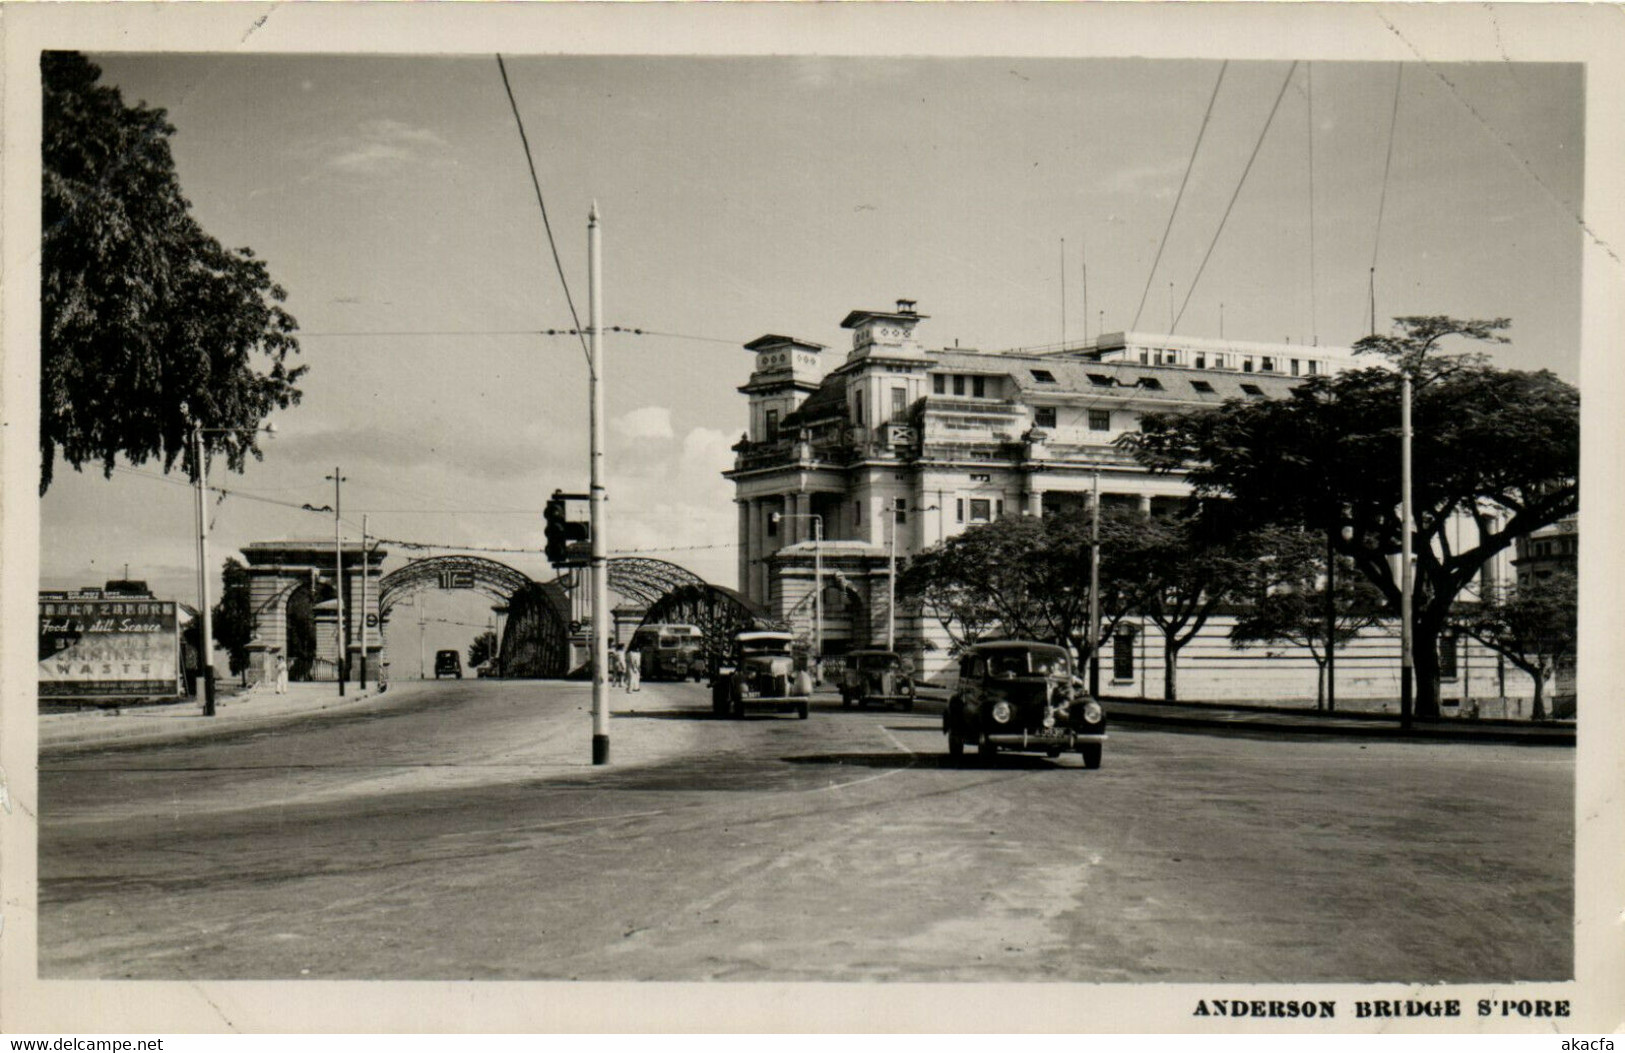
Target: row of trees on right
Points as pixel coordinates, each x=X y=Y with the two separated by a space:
x=1280 y=483
x=1497 y=448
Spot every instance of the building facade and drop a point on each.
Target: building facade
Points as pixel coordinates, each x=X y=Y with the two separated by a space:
x=853 y=461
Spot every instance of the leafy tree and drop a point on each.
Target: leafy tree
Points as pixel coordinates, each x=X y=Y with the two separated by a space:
x=148 y=325
x=1289 y=605
x=1498 y=447
x=1535 y=625
x=233 y=622
x=1185 y=570
x=1027 y=577
x=485 y=646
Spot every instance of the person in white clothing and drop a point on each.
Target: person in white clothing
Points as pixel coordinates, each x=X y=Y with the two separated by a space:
x=281 y=674
x=634 y=671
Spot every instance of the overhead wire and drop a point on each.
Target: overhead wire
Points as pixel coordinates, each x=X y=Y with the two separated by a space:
x=1181 y=195
x=536 y=182
x=1239 y=184
x=1382 y=200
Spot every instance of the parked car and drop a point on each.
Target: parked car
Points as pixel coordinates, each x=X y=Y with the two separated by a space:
x=448 y=663
x=1021 y=695
x=879 y=677
x=759 y=673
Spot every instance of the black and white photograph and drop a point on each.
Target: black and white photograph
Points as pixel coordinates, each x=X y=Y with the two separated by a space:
x=819 y=526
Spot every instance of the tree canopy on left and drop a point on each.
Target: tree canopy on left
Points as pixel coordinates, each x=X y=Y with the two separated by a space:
x=148 y=325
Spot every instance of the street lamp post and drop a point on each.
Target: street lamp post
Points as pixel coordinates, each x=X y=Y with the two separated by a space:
x=200 y=477
x=1094 y=587
x=818 y=575
x=1407 y=660
x=338 y=584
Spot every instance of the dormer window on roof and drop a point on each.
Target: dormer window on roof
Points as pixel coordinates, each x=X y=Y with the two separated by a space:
x=1043 y=376
x=1202 y=386
x=1253 y=390
x=1151 y=383
x=1101 y=380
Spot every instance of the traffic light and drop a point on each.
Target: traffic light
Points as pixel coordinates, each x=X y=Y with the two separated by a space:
x=556 y=530
x=564 y=535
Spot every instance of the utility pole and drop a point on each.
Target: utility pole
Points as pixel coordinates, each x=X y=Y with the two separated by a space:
x=1094 y=588
x=423 y=618
x=818 y=592
x=1331 y=623
x=364 y=607
x=206 y=626
x=1407 y=664
x=338 y=581
x=1063 y=307
x=891 y=576
x=600 y=566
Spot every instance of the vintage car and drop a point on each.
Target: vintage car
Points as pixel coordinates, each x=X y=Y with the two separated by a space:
x=760 y=673
x=1021 y=695
x=876 y=676
x=448 y=663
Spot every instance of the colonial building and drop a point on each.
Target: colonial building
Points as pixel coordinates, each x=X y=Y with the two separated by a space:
x=855 y=460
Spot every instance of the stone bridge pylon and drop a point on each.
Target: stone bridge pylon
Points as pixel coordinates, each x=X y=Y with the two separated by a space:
x=294 y=590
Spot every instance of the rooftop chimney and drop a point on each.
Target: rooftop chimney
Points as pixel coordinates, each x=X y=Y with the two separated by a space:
x=905 y=307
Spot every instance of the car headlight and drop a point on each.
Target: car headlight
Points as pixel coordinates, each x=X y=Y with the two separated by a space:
x=1001 y=712
x=1092 y=713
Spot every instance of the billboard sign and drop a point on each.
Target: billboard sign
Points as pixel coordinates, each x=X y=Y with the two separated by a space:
x=108 y=648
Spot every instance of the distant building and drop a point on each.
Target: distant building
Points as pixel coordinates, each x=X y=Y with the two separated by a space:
x=1550 y=550
x=896 y=444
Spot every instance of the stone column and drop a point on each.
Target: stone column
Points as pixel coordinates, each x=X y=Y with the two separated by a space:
x=743 y=582
x=803 y=509
x=1145 y=504
x=1035 y=501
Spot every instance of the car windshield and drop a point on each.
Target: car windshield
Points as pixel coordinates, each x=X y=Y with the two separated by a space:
x=763 y=647
x=1005 y=664
x=880 y=662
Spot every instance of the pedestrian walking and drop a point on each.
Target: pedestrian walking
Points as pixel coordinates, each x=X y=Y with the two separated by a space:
x=617 y=668
x=281 y=674
x=634 y=671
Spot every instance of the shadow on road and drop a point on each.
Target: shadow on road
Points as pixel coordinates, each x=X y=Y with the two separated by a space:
x=922 y=760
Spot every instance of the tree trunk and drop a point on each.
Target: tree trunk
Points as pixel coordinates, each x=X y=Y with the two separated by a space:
x=1170 y=670
x=1425 y=662
x=1538 y=712
x=1320 y=684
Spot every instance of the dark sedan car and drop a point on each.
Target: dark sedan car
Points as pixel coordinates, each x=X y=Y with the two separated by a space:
x=1021 y=695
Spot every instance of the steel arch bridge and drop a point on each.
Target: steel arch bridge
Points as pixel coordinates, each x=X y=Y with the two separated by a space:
x=645 y=581
x=719 y=612
x=496 y=580
x=536 y=639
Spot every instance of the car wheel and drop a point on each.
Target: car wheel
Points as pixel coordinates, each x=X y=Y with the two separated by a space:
x=801 y=710
x=956 y=746
x=985 y=749
x=1091 y=754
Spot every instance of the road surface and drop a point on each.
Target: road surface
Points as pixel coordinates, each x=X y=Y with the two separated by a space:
x=456 y=830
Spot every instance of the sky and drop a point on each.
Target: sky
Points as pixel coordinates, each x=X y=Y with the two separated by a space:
x=742 y=196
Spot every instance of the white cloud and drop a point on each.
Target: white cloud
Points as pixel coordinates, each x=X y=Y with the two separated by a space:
x=647 y=422
x=383 y=144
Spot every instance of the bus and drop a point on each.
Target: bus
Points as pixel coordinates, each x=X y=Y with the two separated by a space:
x=670 y=652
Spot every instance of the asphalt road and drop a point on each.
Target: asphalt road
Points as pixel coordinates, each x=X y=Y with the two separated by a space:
x=456 y=831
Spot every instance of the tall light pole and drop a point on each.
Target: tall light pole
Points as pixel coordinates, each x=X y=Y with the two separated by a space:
x=1094 y=588
x=818 y=575
x=200 y=478
x=206 y=628
x=338 y=582
x=1407 y=658
x=364 y=608
x=600 y=550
